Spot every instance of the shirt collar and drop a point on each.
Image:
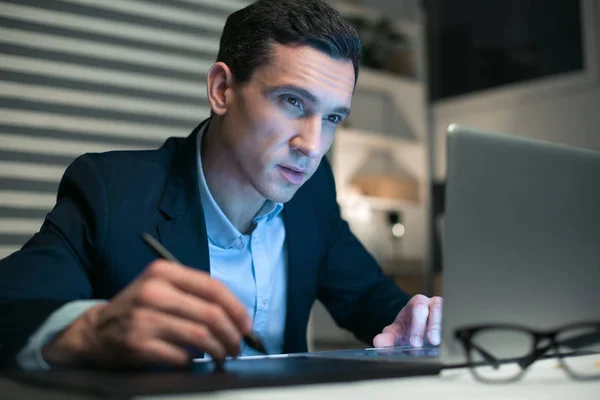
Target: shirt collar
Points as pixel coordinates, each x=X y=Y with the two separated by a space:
x=221 y=231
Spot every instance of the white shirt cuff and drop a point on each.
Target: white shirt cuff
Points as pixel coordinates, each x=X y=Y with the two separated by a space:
x=30 y=357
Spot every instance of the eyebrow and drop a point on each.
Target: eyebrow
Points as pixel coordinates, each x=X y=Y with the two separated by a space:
x=307 y=95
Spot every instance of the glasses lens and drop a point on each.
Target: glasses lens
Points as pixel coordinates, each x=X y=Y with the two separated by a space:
x=579 y=348
x=494 y=352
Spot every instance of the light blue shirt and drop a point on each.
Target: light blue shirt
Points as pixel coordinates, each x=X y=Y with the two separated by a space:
x=252 y=266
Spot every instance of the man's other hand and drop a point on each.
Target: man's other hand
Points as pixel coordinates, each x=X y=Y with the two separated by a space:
x=168 y=310
x=421 y=318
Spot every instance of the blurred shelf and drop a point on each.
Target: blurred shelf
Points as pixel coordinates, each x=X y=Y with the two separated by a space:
x=387 y=80
x=366 y=137
x=399 y=267
x=379 y=203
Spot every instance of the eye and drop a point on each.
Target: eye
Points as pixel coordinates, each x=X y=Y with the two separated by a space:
x=293 y=101
x=335 y=119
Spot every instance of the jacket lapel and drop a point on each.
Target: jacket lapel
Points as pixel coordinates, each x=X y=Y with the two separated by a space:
x=183 y=232
x=303 y=254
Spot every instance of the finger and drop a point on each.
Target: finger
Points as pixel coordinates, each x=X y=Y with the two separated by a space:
x=183 y=333
x=434 y=325
x=399 y=335
x=164 y=297
x=200 y=284
x=419 y=314
x=385 y=339
x=389 y=328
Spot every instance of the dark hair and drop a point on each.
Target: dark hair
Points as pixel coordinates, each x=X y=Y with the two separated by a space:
x=248 y=34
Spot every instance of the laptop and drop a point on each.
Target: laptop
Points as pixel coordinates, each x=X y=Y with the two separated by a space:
x=521 y=240
x=522 y=234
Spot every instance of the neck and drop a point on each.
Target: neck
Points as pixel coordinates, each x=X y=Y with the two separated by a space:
x=229 y=187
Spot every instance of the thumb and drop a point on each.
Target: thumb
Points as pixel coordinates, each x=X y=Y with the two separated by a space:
x=385 y=339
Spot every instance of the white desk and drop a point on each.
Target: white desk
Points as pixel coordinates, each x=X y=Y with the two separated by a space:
x=544 y=381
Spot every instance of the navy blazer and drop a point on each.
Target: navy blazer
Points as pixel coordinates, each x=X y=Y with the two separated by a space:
x=89 y=245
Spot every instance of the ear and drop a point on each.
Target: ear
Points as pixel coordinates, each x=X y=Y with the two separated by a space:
x=218 y=82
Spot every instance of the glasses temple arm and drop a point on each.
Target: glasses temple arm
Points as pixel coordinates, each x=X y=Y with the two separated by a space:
x=526 y=361
x=490 y=359
x=582 y=340
x=573 y=343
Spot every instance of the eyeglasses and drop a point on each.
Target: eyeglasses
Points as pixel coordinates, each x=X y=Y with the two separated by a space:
x=502 y=353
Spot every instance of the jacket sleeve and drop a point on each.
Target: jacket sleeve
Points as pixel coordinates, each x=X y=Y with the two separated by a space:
x=30 y=357
x=54 y=267
x=351 y=284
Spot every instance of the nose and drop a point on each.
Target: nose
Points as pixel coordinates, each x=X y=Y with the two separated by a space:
x=308 y=139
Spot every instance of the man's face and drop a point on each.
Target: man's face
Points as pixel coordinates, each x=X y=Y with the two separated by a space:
x=279 y=125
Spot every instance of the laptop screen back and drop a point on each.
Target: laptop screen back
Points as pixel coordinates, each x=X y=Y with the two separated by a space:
x=522 y=234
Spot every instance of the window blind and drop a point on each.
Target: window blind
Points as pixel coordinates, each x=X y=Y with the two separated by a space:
x=81 y=76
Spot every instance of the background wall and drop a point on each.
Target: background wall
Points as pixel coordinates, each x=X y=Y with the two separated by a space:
x=82 y=76
x=562 y=108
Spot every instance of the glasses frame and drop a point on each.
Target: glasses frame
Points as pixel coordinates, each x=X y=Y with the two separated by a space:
x=465 y=335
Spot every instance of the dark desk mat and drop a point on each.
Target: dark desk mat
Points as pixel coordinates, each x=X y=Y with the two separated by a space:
x=237 y=374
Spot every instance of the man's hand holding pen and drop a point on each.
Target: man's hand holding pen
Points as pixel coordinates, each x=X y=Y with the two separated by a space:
x=166 y=311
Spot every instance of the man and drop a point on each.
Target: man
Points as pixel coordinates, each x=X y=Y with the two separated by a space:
x=245 y=203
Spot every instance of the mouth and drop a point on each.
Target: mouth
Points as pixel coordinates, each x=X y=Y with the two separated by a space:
x=292 y=174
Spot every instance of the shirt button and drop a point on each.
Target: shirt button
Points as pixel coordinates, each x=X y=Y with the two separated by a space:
x=239 y=243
